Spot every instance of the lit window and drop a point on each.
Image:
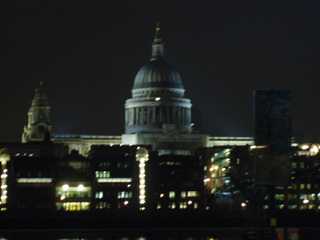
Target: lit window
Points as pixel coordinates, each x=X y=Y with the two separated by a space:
x=192 y=194
x=183 y=205
x=172 y=194
x=183 y=194
x=124 y=194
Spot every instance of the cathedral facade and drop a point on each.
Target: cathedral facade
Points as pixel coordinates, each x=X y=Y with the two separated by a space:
x=157 y=115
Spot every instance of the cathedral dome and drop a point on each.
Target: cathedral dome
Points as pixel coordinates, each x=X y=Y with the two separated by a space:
x=158 y=73
x=157 y=101
x=157 y=78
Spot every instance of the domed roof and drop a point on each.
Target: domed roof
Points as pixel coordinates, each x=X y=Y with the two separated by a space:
x=157 y=72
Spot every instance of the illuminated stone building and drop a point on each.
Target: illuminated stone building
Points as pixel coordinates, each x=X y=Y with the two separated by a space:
x=158 y=114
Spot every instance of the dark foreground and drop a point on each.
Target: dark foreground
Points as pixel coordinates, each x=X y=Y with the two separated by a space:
x=155 y=225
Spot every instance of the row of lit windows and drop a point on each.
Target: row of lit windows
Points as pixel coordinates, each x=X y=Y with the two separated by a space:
x=24 y=155
x=120 y=195
x=183 y=194
x=301 y=186
x=301 y=207
x=103 y=205
x=170 y=163
x=297 y=165
x=312 y=196
x=75 y=206
x=102 y=174
x=181 y=205
x=124 y=194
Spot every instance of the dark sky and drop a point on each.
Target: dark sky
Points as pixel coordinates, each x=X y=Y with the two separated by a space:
x=88 y=53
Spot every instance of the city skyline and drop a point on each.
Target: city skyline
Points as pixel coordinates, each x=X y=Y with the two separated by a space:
x=87 y=54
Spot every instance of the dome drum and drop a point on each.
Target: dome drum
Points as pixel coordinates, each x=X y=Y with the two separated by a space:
x=146 y=118
x=157 y=92
x=154 y=128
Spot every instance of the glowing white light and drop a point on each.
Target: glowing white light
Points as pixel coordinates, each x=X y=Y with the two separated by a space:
x=4 y=175
x=142 y=157
x=304 y=147
x=157 y=99
x=243 y=204
x=206 y=180
x=223 y=169
x=65 y=187
x=62 y=197
x=5 y=170
x=126 y=203
x=305 y=201
x=3 y=197
x=80 y=187
x=115 y=180
x=4 y=186
x=189 y=202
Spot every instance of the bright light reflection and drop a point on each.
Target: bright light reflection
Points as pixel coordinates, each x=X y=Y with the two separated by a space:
x=65 y=187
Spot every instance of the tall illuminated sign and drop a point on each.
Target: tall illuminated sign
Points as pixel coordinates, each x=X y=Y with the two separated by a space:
x=142 y=156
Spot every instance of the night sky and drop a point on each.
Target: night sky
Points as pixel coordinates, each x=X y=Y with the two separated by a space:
x=87 y=53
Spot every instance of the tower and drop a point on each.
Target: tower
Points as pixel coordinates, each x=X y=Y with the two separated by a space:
x=39 y=122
